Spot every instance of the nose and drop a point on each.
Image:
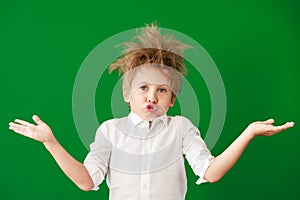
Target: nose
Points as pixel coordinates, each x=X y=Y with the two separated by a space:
x=152 y=98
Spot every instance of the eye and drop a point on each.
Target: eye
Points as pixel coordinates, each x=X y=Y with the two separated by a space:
x=162 y=90
x=143 y=87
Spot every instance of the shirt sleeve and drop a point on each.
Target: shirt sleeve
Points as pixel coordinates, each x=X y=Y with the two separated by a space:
x=196 y=152
x=96 y=162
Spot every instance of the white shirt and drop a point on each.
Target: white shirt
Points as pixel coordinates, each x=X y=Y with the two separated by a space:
x=144 y=162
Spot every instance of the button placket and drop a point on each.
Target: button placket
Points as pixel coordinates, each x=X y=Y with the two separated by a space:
x=145 y=176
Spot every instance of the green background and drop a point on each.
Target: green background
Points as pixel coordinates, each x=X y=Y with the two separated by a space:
x=255 y=45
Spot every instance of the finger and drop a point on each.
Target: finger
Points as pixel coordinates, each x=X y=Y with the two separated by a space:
x=21 y=131
x=281 y=128
x=22 y=122
x=289 y=124
x=37 y=120
x=16 y=129
x=16 y=126
x=284 y=126
x=269 y=121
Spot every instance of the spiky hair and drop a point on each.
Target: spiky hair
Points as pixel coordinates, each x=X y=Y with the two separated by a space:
x=151 y=47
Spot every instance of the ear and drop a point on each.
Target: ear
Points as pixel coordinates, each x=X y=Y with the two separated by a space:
x=126 y=95
x=173 y=100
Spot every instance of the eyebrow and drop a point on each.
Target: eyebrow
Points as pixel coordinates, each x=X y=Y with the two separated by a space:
x=147 y=83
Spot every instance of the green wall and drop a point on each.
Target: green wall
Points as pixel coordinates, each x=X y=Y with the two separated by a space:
x=255 y=45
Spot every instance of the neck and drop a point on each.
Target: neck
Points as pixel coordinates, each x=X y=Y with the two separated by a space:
x=150 y=123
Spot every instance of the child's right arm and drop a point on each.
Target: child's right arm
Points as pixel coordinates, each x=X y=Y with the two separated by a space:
x=41 y=132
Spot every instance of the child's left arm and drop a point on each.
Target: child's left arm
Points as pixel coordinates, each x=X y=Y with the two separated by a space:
x=222 y=163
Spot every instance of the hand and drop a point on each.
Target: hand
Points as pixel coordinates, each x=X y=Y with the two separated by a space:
x=40 y=132
x=266 y=128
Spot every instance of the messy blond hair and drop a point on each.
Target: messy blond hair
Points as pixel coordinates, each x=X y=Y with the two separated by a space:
x=151 y=47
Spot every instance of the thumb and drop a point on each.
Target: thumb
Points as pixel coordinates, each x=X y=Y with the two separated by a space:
x=37 y=120
x=269 y=121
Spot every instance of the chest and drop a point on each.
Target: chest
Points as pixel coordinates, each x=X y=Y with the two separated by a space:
x=144 y=153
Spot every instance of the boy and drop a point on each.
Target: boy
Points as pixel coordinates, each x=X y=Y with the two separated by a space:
x=142 y=154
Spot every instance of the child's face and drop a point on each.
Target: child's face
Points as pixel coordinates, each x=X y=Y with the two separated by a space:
x=151 y=95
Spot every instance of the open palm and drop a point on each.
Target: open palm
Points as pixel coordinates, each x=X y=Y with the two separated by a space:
x=40 y=132
x=266 y=128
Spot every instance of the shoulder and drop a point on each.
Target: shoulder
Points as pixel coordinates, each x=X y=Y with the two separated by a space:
x=109 y=125
x=112 y=122
x=188 y=131
x=182 y=124
x=180 y=120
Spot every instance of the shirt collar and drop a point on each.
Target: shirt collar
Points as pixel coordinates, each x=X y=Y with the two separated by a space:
x=139 y=122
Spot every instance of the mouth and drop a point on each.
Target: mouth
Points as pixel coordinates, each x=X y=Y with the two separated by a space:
x=150 y=108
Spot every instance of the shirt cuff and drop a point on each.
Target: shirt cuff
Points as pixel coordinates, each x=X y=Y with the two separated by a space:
x=95 y=172
x=203 y=169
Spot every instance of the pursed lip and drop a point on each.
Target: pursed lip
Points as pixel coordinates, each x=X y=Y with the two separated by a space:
x=151 y=107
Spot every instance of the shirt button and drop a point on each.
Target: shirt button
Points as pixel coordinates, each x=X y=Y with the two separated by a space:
x=144 y=186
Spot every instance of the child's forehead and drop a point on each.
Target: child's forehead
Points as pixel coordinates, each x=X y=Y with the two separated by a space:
x=152 y=75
